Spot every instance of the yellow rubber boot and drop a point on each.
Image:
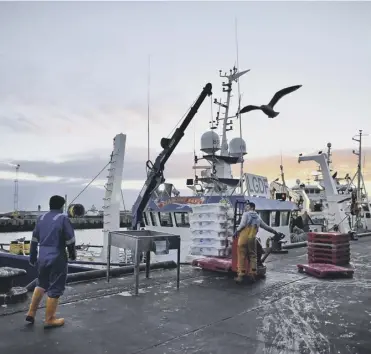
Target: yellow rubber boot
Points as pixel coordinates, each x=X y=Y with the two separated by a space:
x=50 y=319
x=253 y=275
x=240 y=277
x=35 y=302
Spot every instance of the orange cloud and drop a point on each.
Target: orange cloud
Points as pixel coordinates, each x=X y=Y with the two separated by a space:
x=344 y=161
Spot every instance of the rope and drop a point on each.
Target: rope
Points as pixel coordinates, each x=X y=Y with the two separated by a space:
x=337 y=225
x=91 y=182
x=148 y=105
x=149 y=163
x=123 y=202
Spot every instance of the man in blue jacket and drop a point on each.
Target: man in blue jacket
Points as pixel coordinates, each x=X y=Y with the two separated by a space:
x=53 y=233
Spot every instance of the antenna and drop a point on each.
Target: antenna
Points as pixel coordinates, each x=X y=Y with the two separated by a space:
x=148 y=104
x=239 y=102
x=281 y=161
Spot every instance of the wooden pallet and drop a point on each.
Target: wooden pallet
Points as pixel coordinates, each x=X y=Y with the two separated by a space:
x=321 y=270
x=342 y=262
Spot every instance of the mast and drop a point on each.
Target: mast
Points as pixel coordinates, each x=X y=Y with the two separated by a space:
x=283 y=175
x=234 y=75
x=65 y=203
x=227 y=87
x=16 y=189
x=359 y=166
x=329 y=154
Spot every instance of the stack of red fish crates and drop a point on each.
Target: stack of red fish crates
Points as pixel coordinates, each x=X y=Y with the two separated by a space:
x=328 y=247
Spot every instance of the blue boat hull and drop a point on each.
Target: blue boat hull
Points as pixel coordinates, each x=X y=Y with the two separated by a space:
x=20 y=261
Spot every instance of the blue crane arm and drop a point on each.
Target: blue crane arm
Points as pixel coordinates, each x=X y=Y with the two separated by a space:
x=155 y=175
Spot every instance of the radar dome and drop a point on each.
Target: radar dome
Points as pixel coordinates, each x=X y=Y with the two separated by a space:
x=237 y=147
x=210 y=142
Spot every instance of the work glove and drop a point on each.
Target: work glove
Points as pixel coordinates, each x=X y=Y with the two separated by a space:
x=32 y=260
x=71 y=252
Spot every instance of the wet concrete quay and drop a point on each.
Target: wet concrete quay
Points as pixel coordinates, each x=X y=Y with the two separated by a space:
x=286 y=313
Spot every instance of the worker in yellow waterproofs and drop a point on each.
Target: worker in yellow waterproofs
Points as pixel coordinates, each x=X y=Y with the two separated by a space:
x=246 y=233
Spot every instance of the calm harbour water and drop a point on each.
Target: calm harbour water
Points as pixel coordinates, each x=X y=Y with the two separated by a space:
x=93 y=237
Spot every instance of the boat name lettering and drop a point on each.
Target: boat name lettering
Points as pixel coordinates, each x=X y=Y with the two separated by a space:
x=180 y=200
x=257 y=185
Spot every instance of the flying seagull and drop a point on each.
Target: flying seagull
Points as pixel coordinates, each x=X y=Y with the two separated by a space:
x=268 y=109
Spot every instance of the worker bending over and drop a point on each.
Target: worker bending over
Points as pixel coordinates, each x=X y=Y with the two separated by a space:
x=247 y=230
x=53 y=233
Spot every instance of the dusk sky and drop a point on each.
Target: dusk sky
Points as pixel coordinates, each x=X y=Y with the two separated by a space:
x=74 y=74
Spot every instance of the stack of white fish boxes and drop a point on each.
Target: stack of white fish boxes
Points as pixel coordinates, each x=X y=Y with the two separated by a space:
x=211 y=227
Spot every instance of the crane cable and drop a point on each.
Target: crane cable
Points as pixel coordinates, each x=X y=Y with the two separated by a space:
x=91 y=181
x=149 y=163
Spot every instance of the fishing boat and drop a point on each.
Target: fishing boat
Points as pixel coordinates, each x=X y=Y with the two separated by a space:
x=354 y=197
x=213 y=184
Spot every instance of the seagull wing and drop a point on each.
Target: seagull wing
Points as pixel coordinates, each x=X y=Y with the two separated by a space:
x=248 y=109
x=282 y=93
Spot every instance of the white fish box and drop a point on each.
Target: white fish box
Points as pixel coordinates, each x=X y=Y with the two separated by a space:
x=204 y=242
x=215 y=217
x=214 y=208
x=208 y=233
x=211 y=251
x=207 y=225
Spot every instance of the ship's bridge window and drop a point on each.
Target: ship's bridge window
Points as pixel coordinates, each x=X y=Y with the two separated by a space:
x=153 y=218
x=145 y=218
x=165 y=219
x=285 y=218
x=264 y=216
x=275 y=219
x=318 y=191
x=181 y=219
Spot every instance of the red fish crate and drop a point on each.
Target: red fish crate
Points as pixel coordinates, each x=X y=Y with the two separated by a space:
x=328 y=237
x=329 y=246
x=328 y=251
x=329 y=259
x=214 y=264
